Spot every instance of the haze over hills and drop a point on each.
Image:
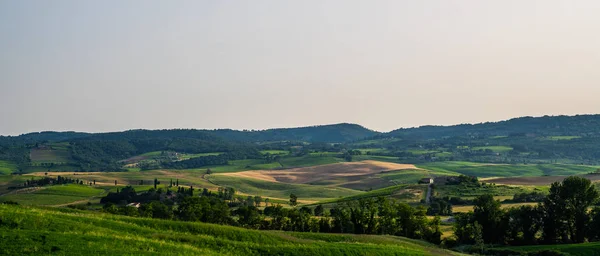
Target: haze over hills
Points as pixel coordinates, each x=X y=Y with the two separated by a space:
x=580 y=125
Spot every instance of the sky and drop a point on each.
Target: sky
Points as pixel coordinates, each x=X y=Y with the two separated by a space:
x=127 y=64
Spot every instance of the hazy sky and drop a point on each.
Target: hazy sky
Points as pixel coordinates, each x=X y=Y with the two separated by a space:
x=116 y=65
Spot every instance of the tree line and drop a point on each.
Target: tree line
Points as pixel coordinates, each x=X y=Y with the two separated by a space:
x=562 y=217
x=365 y=216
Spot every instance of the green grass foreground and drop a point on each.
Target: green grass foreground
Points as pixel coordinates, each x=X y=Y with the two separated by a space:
x=585 y=249
x=36 y=231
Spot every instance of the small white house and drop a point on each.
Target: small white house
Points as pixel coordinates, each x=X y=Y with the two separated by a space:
x=426 y=181
x=136 y=205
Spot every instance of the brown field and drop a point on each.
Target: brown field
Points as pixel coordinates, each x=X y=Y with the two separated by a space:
x=466 y=208
x=322 y=172
x=537 y=181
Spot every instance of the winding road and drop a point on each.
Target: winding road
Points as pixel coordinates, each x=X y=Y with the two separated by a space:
x=429 y=189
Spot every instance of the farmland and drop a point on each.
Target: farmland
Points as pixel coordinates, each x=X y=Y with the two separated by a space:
x=508 y=170
x=54 y=195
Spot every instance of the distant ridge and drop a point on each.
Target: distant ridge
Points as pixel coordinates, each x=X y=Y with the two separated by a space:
x=586 y=125
x=333 y=133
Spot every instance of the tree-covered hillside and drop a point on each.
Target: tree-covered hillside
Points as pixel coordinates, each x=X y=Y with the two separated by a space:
x=335 y=133
x=579 y=125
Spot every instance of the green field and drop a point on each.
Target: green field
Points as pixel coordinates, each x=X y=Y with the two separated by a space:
x=189 y=156
x=376 y=141
x=152 y=154
x=55 y=168
x=422 y=152
x=7 y=167
x=585 y=249
x=35 y=231
x=508 y=170
x=58 y=155
x=55 y=195
x=497 y=149
x=376 y=158
x=308 y=160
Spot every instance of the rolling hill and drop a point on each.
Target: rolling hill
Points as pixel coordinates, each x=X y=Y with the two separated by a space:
x=61 y=231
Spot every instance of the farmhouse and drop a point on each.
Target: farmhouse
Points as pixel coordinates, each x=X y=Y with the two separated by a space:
x=426 y=181
x=136 y=205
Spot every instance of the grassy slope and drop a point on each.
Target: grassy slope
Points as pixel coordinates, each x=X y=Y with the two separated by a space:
x=70 y=232
x=55 y=195
x=586 y=249
x=507 y=170
x=7 y=167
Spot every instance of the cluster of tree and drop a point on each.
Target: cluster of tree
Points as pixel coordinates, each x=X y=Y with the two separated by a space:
x=463 y=180
x=101 y=152
x=335 y=133
x=526 y=197
x=224 y=193
x=16 y=153
x=439 y=206
x=562 y=217
x=52 y=181
x=366 y=216
x=270 y=158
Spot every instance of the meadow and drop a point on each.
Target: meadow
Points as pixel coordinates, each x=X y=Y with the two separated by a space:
x=55 y=195
x=305 y=193
x=71 y=232
x=7 y=167
x=585 y=249
x=508 y=170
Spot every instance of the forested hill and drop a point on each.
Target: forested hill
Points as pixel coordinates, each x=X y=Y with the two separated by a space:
x=335 y=133
x=579 y=125
x=111 y=151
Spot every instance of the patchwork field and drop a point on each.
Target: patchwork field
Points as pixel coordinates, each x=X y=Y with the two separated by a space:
x=536 y=181
x=306 y=193
x=321 y=173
